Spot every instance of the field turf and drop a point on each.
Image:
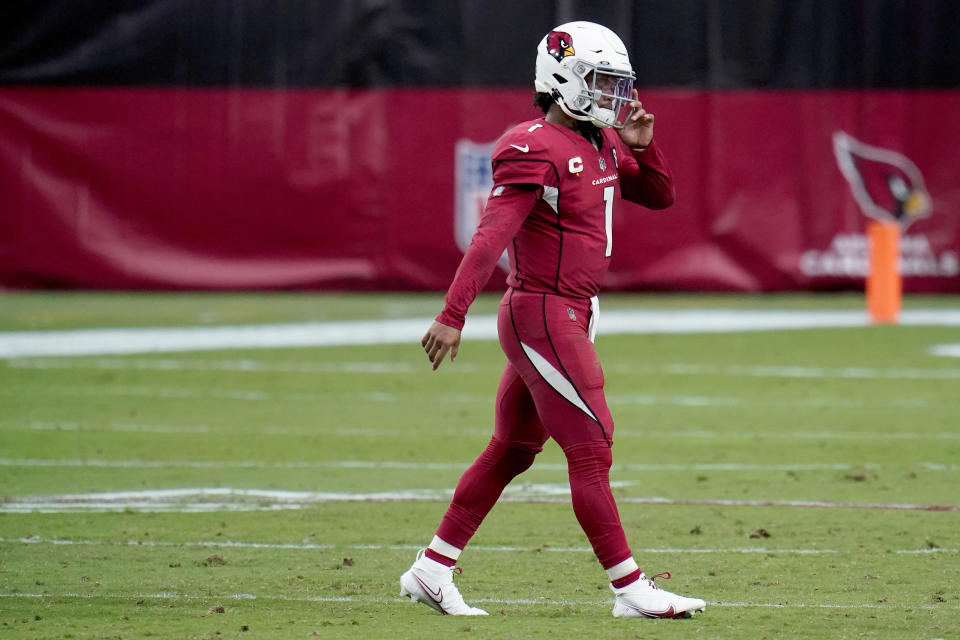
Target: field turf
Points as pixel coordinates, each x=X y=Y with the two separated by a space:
x=803 y=482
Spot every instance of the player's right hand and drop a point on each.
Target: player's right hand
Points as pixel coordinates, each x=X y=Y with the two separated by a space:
x=438 y=340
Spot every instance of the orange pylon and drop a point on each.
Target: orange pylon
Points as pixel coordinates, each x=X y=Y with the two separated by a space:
x=884 y=286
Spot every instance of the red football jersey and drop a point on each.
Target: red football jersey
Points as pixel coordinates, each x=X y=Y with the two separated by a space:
x=552 y=207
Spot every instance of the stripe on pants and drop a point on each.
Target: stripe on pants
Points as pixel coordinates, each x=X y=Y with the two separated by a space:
x=556 y=380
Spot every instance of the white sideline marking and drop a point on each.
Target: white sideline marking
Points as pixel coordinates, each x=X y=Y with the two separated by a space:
x=221 y=498
x=76 y=342
x=539 y=602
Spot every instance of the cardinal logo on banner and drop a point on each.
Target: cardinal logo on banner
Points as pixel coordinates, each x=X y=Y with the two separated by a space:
x=886 y=184
x=888 y=187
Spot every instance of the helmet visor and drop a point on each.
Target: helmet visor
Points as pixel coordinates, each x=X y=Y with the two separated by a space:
x=612 y=93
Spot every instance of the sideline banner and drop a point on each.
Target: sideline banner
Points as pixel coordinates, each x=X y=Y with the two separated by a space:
x=200 y=188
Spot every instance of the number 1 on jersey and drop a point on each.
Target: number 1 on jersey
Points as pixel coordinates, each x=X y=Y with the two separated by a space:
x=608 y=219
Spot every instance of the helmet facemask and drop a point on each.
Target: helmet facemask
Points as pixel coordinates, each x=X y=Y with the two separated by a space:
x=604 y=97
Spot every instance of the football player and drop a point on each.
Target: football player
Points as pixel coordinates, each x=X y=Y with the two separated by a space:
x=558 y=184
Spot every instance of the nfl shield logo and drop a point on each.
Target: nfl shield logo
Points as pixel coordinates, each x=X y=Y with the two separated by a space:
x=603 y=164
x=474 y=180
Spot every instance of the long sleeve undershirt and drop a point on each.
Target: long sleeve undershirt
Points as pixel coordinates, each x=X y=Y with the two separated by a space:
x=501 y=220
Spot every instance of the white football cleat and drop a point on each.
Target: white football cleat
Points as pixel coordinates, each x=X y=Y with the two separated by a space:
x=425 y=582
x=643 y=599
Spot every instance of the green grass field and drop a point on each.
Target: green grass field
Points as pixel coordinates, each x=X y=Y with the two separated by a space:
x=790 y=478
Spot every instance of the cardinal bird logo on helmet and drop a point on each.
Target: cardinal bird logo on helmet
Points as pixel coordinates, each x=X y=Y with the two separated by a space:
x=887 y=185
x=559 y=45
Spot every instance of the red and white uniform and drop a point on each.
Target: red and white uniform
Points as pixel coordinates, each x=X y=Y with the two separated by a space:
x=554 y=198
x=557 y=229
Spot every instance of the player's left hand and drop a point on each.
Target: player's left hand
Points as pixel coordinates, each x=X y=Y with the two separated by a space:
x=638 y=132
x=438 y=340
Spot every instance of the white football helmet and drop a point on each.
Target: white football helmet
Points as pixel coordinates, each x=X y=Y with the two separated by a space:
x=585 y=67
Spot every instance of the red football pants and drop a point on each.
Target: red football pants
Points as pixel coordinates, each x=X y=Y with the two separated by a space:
x=552 y=388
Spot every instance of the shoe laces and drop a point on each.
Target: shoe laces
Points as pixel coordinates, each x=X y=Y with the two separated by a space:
x=665 y=575
x=454 y=571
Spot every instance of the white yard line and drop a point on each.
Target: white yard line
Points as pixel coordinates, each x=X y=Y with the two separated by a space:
x=261 y=395
x=233 y=366
x=375 y=367
x=446 y=466
x=306 y=546
x=795 y=371
x=625 y=431
x=791 y=434
x=740 y=402
x=946 y=350
x=123 y=428
x=228 y=499
x=76 y=342
x=538 y=602
x=251 y=395
x=443 y=466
